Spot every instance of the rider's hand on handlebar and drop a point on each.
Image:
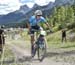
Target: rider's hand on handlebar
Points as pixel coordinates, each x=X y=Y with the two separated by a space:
x=49 y=31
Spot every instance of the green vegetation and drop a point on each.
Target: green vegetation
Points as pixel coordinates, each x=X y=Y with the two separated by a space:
x=7 y=55
x=62 y=17
x=54 y=40
x=7 y=52
x=16 y=24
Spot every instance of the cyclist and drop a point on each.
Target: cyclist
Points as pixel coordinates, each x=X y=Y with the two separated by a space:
x=34 y=24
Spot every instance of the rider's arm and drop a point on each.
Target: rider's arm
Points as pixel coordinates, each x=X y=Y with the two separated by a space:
x=28 y=25
x=44 y=20
x=29 y=22
x=47 y=24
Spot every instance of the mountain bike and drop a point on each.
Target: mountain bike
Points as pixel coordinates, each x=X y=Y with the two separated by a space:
x=40 y=45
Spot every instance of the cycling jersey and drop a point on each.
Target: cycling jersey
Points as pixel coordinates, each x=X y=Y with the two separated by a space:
x=34 y=21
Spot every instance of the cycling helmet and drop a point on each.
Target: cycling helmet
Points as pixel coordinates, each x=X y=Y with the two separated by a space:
x=38 y=12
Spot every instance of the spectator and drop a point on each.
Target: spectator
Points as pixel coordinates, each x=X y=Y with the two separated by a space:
x=64 y=35
x=2 y=40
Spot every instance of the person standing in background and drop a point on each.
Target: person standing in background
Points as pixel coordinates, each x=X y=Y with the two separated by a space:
x=2 y=39
x=64 y=35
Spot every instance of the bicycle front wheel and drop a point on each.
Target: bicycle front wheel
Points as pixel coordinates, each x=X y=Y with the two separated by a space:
x=41 y=50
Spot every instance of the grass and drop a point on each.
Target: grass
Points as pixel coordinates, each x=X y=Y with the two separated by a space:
x=7 y=55
x=54 y=40
x=7 y=52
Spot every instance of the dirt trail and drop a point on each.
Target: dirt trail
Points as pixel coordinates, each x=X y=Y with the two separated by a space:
x=23 y=56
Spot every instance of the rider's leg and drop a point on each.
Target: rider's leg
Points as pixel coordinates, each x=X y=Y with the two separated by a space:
x=32 y=39
x=32 y=44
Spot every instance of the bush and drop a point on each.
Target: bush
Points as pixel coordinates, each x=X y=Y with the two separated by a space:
x=56 y=28
x=71 y=25
x=62 y=26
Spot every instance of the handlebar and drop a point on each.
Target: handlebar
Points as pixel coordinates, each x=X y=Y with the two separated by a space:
x=47 y=31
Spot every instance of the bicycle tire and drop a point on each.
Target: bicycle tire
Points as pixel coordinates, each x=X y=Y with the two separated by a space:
x=41 y=51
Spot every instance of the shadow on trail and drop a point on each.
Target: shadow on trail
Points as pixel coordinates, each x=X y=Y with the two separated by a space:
x=66 y=53
x=19 y=60
x=68 y=46
x=29 y=59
